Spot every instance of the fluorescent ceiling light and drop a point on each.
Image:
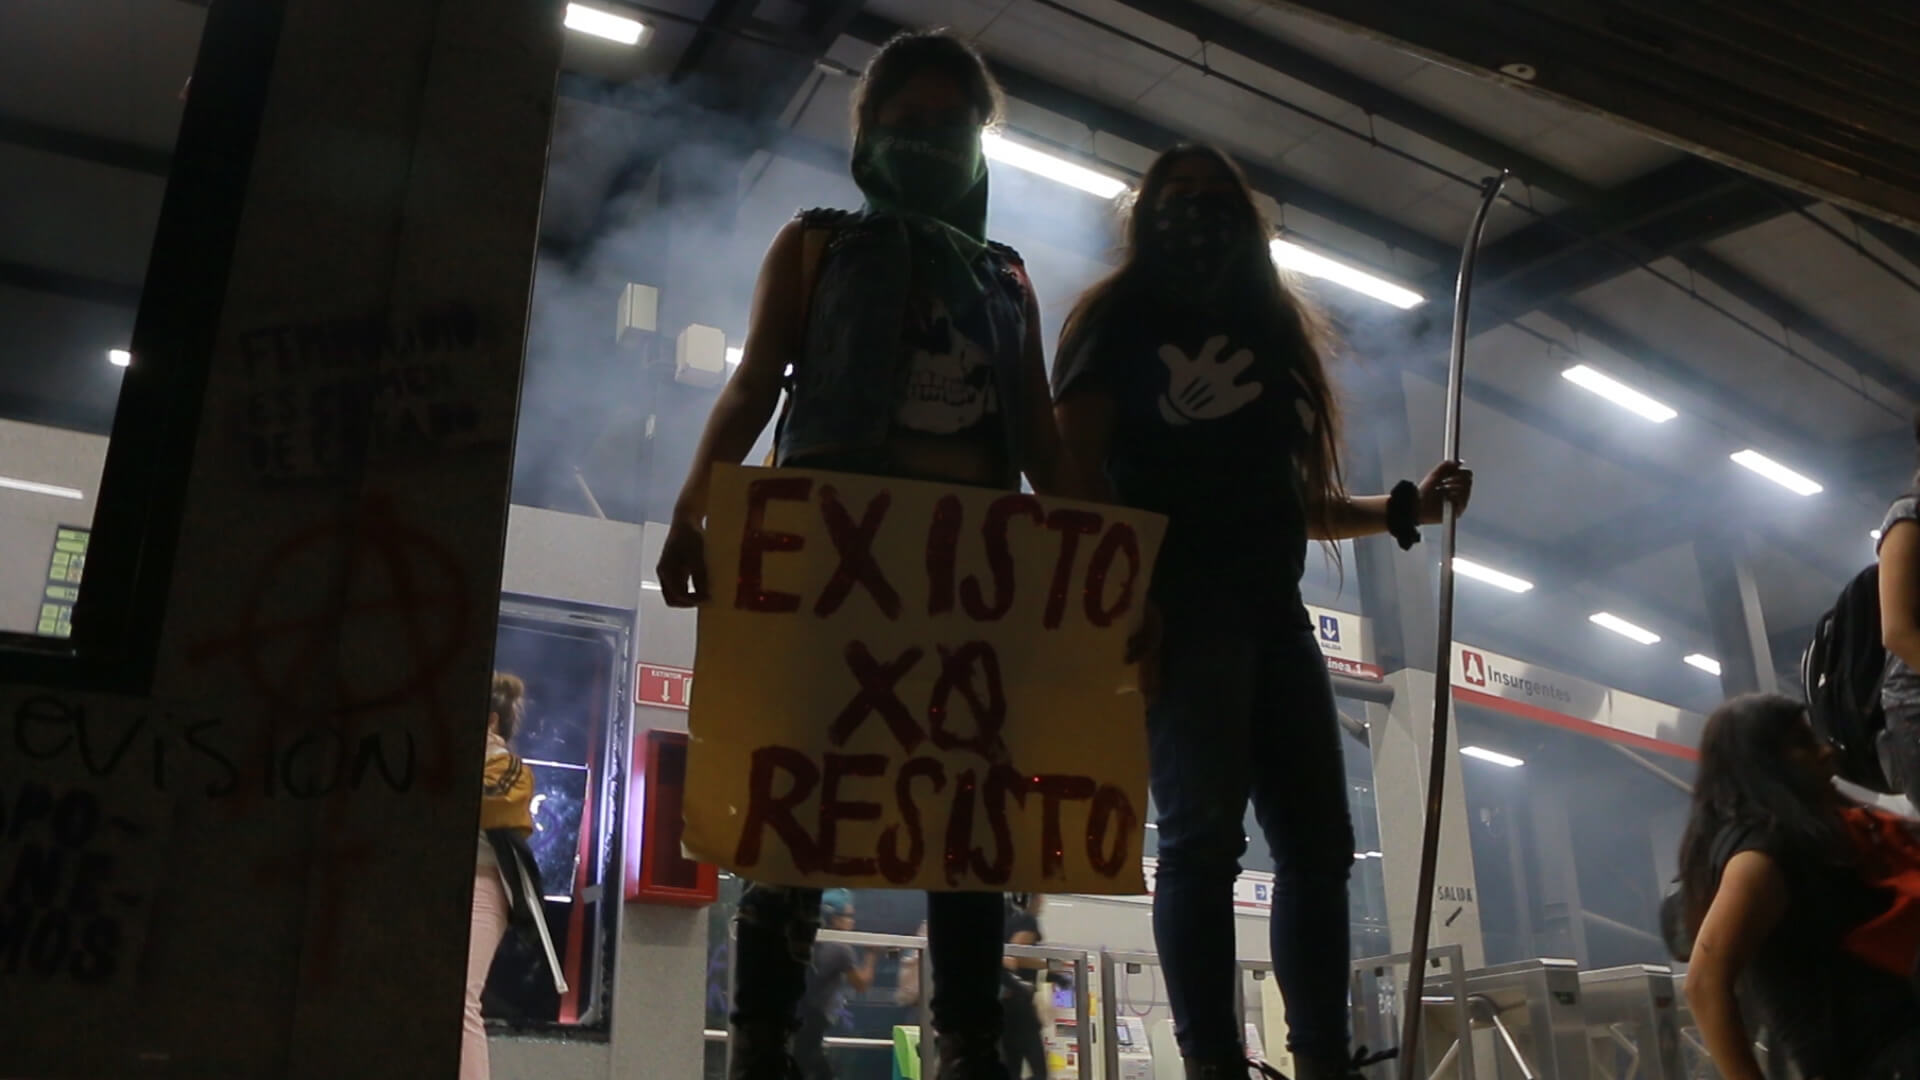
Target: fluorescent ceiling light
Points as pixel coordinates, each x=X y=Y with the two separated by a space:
x=119 y=357
x=650 y=586
x=1490 y=576
x=734 y=353
x=1484 y=754
x=1619 y=393
x=1776 y=472
x=1624 y=628
x=1057 y=169
x=32 y=487
x=1292 y=256
x=604 y=24
x=1705 y=663
x=1874 y=535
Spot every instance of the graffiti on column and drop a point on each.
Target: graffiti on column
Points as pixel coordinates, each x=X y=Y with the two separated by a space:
x=329 y=399
x=344 y=634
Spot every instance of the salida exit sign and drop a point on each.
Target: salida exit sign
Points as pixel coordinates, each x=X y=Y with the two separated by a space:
x=666 y=687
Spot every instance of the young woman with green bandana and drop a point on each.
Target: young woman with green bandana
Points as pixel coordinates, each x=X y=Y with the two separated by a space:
x=909 y=345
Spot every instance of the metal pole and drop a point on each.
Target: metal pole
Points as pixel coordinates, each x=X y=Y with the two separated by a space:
x=1109 y=1019
x=1082 y=1016
x=1443 y=664
x=926 y=1011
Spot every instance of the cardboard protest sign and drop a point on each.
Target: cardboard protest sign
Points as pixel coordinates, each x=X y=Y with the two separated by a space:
x=913 y=685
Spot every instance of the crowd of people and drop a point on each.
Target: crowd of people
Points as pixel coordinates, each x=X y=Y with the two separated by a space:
x=1193 y=382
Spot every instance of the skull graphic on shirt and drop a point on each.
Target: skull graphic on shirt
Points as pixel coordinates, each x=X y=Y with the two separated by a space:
x=949 y=375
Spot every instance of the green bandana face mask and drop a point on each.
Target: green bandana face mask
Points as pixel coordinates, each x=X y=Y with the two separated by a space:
x=921 y=171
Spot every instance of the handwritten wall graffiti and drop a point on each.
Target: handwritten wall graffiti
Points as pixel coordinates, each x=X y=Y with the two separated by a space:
x=345 y=631
x=327 y=399
x=203 y=756
x=78 y=863
x=388 y=584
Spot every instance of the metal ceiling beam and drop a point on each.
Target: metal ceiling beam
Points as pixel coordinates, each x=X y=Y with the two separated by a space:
x=1296 y=63
x=33 y=135
x=72 y=286
x=95 y=418
x=1904 y=243
x=1797 y=320
x=721 y=18
x=1668 y=211
x=1822 y=102
x=1564 y=572
x=1041 y=92
x=1699 y=392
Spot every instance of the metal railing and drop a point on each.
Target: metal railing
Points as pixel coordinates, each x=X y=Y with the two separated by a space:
x=1076 y=957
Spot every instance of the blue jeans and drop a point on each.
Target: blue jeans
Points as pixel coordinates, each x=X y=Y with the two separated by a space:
x=1239 y=716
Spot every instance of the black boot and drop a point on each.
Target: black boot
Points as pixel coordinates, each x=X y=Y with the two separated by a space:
x=969 y=1056
x=773 y=940
x=756 y=1052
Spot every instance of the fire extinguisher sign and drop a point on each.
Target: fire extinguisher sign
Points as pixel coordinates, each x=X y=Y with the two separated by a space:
x=666 y=687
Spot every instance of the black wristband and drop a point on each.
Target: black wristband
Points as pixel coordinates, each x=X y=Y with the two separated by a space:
x=1403 y=514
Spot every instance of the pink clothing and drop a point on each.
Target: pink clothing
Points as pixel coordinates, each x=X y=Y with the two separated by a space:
x=489 y=926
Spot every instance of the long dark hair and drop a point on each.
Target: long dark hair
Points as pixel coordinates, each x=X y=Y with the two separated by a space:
x=913 y=52
x=1297 y=324
x=1748 y=778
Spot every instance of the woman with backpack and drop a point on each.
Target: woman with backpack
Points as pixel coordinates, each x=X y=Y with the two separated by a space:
x=915 y=350
x=1194 y=379
x=1899 y=564
x=1799 y=900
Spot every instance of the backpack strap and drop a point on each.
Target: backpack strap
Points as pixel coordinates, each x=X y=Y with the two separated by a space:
x=813 y=247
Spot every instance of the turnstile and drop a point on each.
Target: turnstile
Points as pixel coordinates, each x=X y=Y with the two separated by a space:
x=1633 y=1030
x=1375 y=990
x=1533 y=1009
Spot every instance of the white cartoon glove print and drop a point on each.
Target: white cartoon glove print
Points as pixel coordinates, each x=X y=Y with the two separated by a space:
x=1203 y=386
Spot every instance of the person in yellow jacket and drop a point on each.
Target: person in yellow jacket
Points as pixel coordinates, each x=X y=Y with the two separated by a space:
x=506 y=880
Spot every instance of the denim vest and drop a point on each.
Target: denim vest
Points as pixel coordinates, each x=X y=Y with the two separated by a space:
x=850 y=379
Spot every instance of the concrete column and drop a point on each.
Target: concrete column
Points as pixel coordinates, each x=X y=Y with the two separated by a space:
x=1733 y=611
x=287 y=829
x=1397 y=593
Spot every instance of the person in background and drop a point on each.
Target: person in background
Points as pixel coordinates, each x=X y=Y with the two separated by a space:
x=836 y=966
x=1024 y=1043
x=1899 y=554
x=915 y=350
x=1800 y=900
x=506 y=806
x=1192 y=382
x=911 y=978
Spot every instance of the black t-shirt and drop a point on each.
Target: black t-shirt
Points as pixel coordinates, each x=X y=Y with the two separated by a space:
x=1019 y=921
x=1829 y=1011
x=831 y=962
x=1210 y=417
